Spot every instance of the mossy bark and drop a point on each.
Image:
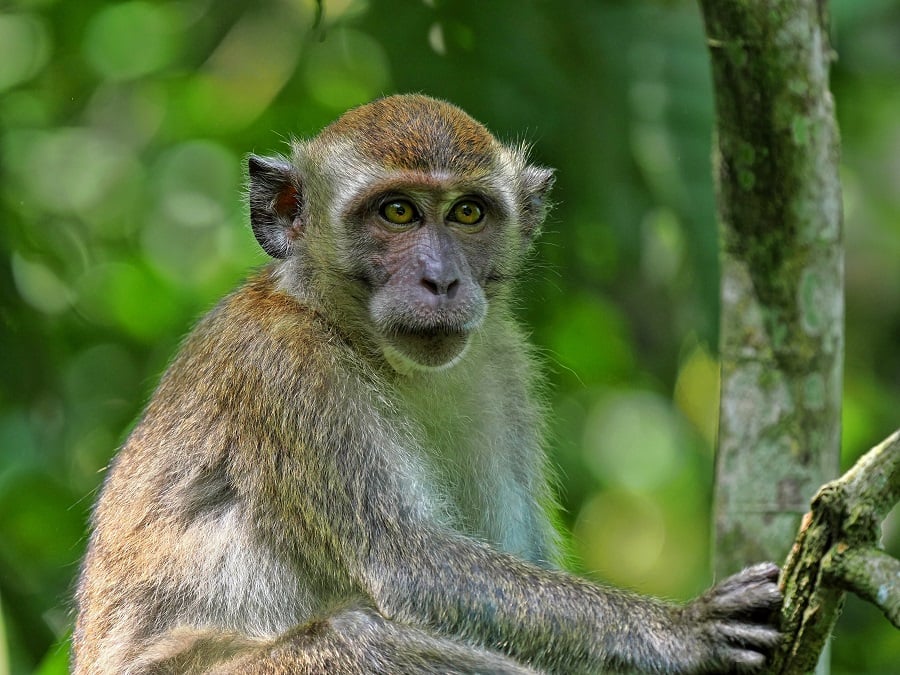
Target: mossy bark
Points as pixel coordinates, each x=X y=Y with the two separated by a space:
x=781 y=348
x=781 y=345
x=836 y=551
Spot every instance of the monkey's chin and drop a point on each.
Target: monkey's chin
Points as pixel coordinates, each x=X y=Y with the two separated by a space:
x=410 y=351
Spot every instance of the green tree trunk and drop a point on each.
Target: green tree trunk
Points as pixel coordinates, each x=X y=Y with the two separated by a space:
x=782 y=311
x=781 y=346
x=781 y=349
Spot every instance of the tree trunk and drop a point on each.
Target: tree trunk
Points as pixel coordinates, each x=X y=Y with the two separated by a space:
x=781 y=341
x=781 y=338
x=781 y=344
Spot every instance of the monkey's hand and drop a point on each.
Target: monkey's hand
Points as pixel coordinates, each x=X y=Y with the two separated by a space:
x=735 y=623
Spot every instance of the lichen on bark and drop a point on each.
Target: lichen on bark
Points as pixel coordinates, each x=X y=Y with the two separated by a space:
x=781 y=337
x=837 y=550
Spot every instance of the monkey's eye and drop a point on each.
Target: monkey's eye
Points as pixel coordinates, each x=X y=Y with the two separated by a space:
x=399 y=212
x=467 y=212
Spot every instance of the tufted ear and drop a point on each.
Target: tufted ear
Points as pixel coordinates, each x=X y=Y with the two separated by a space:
x=275 y=204
x=536 y=183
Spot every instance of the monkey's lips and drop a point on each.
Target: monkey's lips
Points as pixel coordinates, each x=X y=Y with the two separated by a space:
x=432 y=347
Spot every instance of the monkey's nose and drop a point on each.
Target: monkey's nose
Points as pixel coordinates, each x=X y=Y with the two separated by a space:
x=439 y=286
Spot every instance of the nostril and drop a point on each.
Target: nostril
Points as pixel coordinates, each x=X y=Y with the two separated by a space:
x=452 y=287
x=447 y=288
x=431 y=286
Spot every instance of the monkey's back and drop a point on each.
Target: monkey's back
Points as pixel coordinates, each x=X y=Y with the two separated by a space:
x=176 y=537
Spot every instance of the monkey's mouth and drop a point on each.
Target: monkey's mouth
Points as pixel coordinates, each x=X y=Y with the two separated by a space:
x=431 y=347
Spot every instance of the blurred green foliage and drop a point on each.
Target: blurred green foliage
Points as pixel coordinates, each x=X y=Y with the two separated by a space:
x=123 y=128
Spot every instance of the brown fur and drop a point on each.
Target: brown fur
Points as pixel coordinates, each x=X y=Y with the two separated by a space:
x=341 y=470
x=421 y=134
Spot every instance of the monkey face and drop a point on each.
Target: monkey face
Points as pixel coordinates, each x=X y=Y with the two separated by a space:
x=407 y=217
x=431 y=255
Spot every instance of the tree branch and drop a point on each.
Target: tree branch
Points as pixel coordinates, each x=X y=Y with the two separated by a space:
x=874 y=481
x=870 y=573
x=836 y=550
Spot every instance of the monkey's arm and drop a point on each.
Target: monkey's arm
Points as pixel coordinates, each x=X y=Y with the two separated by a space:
x=565 y=624
x=420 y=574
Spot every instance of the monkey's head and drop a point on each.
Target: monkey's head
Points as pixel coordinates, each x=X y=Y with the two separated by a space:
x=406 y=217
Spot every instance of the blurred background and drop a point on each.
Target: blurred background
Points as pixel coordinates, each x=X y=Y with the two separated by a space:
x=123 y=132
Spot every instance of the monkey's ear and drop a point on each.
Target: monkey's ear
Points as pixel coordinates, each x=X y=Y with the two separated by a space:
x=537 y=182
x=275 y=204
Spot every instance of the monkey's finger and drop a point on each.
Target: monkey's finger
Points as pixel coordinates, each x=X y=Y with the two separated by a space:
x=761 y=573
x=753 y=597
x=762 y=638
x=756 y=593
x=741 y=660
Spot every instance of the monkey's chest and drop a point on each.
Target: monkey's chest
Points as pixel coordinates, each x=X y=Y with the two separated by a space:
x=472 y=471
x=476 y=446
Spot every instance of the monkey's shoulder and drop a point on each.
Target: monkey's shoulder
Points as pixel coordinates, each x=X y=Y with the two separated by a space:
x=256 y=327
x=255 y=358
x=257 y=353
x=259 y=309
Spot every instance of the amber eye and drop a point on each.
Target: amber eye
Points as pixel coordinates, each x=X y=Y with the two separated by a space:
x=467 y=212
x=399 y=212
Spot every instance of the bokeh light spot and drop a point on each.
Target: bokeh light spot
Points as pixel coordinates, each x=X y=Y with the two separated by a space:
x=73 y=169
x=348 y=69
x=196 y=182
x=245 y=73
x=26 y=48
x=128 y=297
x=620 y=535
x=633 y=439
x=697 y=393
x=39 y=286
x=130 y=39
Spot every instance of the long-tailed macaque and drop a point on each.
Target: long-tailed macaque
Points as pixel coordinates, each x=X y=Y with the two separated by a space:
x=341 y=471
